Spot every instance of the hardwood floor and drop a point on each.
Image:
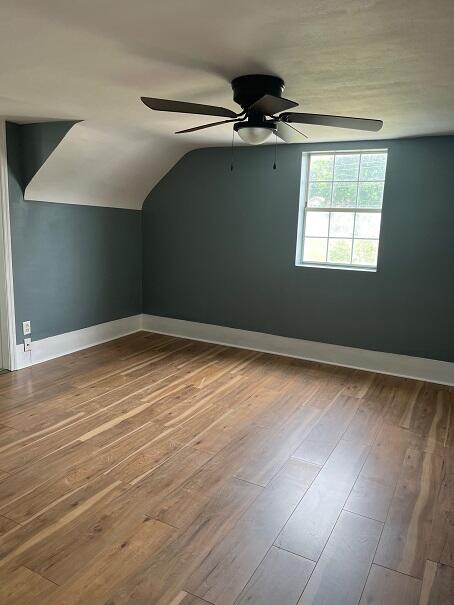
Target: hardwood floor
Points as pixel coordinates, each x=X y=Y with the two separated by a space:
x=154 y=470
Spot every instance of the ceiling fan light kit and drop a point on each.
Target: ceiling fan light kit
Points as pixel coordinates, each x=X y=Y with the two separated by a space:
x=255 y=134
x=264 y=112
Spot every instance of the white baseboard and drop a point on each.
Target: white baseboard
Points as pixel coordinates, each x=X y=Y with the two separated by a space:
x=430 y=370
x=63 y=344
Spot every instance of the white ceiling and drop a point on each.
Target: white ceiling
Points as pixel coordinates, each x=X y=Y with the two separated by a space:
x=92 y=59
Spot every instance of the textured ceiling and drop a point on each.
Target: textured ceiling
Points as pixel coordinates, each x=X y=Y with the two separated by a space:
x=92 y=60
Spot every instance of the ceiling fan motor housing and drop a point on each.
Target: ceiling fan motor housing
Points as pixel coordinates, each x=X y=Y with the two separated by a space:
x=263 y=107
x=250 y=88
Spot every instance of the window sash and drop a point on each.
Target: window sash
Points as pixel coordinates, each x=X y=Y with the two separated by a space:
x=335 y=209
x=332 y=209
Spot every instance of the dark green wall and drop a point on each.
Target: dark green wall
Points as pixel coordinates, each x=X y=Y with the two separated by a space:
x=36 y=142
x=219 y=247
x=73 y=266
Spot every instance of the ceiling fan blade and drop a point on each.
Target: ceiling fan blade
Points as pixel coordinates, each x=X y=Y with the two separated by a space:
x=288 y=133
x=269 y=105
x=336 y=121
x=183 y=107
x=206 y=126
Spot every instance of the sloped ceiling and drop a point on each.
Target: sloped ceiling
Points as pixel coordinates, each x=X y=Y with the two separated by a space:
x=98 y=165
x=92 y=60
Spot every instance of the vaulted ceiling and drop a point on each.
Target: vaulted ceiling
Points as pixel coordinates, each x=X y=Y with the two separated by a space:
x=91 y=60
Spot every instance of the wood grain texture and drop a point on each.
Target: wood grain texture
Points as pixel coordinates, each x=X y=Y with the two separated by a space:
x=154 y=469
x=280 y=578
x=225 y=571
x=6 y=525
x=113 y=563
x=24 y=587
x=309 y=528
x=408 y=533
x=387 y=587
x=437 y=585
x=373 y=491
x=341 y=572
x=184 y=598
x=442 y=539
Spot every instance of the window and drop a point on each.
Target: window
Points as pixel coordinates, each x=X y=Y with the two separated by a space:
x=341 y=214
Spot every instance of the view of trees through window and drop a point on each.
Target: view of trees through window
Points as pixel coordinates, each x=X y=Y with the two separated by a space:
x=342 y=211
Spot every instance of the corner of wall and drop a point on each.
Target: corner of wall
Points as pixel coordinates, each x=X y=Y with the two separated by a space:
x=39 y=142
x=167 y=175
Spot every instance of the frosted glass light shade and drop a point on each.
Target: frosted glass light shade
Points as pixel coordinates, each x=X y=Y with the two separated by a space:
x=254 y=135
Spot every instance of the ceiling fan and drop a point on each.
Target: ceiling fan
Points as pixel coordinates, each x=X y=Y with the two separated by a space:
x=264 y=112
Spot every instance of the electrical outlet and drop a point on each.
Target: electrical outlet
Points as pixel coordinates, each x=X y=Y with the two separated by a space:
x=27 y=344
x=27 y=327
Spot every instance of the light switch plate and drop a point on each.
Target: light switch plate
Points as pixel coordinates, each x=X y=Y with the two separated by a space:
x=27 y=344
x=27 y=327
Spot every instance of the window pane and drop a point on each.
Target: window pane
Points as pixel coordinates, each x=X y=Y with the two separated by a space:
x=317 y=224
x=346 y=167
x=341 y=224
x=370 y=195
x=373 y=167
x=339 y=251
x=342 y=213
x=344 y=195
x=319 y=195
x=365 y=252
x=367 y=224
x=315 y=249
x=321 y=167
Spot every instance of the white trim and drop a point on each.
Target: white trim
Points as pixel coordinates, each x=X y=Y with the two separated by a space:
x=365 y=268
x=63 y=344
x=7 y=314
x=304 y=210
x=430 y=370
x=301 y=208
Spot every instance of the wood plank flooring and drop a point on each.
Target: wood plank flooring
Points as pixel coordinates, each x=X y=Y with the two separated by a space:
x=154 y=470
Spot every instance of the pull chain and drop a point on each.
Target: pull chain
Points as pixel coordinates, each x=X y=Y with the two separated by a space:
x=275 y=152
x=231 y=154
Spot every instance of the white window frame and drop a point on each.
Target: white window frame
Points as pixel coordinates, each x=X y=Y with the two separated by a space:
x=304 y=194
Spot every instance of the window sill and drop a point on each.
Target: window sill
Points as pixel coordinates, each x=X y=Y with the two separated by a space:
x=341 y=267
